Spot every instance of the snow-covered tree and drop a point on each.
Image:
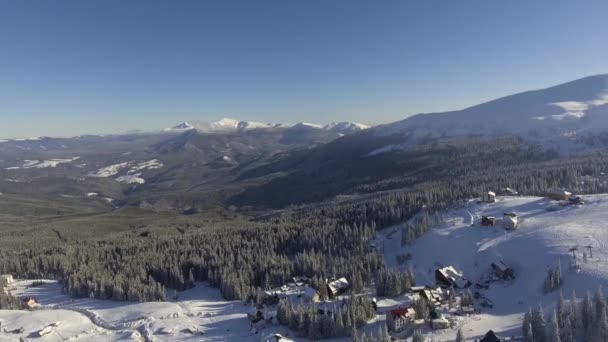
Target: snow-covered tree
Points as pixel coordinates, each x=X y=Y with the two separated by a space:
x=417 y=337
x=528 y=334
x=554 y=332
x=538 y=325
x=460 y=336
x=601 y=328
x=587 y=315
x=600 y=302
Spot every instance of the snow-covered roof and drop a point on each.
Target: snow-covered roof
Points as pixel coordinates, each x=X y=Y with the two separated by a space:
x=338 y=284
x=454 y=276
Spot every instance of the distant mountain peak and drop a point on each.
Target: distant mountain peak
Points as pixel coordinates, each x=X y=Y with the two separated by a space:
x=233 y=125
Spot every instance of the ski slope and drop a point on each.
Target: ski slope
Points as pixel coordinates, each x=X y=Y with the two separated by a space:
x=543 y=239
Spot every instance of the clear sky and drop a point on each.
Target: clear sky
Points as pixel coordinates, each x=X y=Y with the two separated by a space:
x=75 y=67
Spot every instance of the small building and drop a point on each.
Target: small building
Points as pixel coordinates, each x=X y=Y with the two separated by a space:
x=6 y=279
x=559 y=194
x=502 y=271
x=508 y=192
x=489 y=197
x=488 y=221
x=492 y=337
x=338 y=286
x=510 y=221
x=449 y=277
x=400 y=320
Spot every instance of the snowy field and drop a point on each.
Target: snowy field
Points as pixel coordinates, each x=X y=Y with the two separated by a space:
x=543 y=239
x=102 y=320
x=132 y=175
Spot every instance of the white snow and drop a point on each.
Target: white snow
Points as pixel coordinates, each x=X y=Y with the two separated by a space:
x=133 y=175
x=31 y=164
x=345 y=127
x=543 y=239
x=92 y=194
x=98 y=320
x=109 y=171
x=131 y=179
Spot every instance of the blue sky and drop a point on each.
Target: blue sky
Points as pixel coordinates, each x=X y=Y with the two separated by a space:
x=75 y=67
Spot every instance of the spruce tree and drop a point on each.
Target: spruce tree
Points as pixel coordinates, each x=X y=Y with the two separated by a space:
x=460 y=336
x=601 y=328
x=538 y=325
x=554 y=332
x=528 y=333
x=600 y=302
x=587 y=314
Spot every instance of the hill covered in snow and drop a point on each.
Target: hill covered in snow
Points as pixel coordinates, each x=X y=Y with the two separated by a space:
x=569 y=109
x=546 y=235
x=227 y=125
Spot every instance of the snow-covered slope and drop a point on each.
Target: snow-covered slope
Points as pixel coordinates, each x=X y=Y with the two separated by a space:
x=568 y=109
x=345 y=127
x=222 y=125
x=543 y=239
x=232 y=125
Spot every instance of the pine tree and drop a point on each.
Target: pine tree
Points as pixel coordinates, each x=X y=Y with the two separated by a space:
x=460 y=336
x=538 y=325
x=566 y=332
x=384 y=335
x=554 y=332
x=417 y=337
x=587 y=315
x=600 y=302
x=528 y=334
x=601 y=328
x=574 y=312
x=527 y=321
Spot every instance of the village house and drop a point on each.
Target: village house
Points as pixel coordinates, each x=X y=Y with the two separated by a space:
x=559 y=194
x=510 y=221
x=489 y=197
x=338 y=286
x=502 y=271
x=6 y=279
x=449 y=277
x=400 y=320
x=508 y=192
x=488 y=221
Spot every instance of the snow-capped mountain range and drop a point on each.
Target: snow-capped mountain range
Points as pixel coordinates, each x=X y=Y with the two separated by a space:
x=231 y=125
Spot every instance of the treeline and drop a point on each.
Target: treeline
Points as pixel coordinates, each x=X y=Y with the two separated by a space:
x=570 y=321
x=240 y=261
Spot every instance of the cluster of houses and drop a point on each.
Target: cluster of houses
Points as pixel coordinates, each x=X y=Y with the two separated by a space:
x=401 y=318
x=298 y=291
